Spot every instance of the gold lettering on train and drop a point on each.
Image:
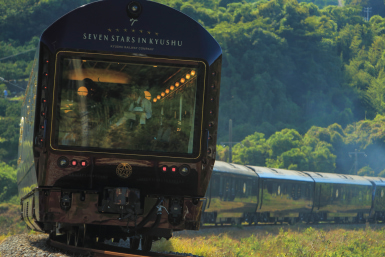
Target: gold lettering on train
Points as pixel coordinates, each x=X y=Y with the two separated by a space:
x=133 y=40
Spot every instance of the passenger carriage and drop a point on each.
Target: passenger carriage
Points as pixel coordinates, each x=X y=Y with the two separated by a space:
x=341 y=198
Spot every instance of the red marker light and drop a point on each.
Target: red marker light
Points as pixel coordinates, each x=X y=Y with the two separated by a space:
x=46 y=61
x=164 y=168
x=74 y=162
x=173 y=169
x=41 y=139
x=45 y=74
x=42 y=127
x=83 y=163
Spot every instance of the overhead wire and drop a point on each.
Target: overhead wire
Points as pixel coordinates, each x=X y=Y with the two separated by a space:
x=10 y=56
x=17 y=54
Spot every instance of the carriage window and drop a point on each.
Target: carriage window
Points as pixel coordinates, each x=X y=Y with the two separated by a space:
x=293 y=193
x=221 y=181
x=129 y=105
x=254 y=188
x=215 y=188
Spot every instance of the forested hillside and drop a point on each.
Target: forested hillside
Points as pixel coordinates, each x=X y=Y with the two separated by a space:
x=303 y=82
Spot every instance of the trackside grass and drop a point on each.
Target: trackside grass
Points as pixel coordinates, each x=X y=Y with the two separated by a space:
x=299 y=240
x=10 y=222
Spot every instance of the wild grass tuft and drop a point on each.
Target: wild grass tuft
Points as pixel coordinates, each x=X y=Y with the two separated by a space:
x=320 y=240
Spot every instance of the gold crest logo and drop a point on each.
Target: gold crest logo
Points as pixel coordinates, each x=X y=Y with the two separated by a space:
x=124 y=170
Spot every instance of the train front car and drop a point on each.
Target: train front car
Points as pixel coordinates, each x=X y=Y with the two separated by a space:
x=125 y=128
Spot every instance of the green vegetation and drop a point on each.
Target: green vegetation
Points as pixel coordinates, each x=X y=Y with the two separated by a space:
x=8 y=186
x=347 y=240
x=9 y=130
x=330 y=149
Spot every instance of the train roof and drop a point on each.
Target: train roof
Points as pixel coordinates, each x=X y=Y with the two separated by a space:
x=264 y=172
x=309 y=176
x=332 y=178
x=159 y=30
x=376 y=180
x=224 y=167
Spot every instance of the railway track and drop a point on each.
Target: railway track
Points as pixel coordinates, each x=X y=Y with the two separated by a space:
x=104 y=250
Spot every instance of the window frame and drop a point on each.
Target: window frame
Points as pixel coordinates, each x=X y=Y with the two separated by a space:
x=199 y=111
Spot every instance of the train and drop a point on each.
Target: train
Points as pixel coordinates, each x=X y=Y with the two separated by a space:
x=119 y=124
x=249 y=194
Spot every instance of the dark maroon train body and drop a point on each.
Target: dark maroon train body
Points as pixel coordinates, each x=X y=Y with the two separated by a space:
x=118 y=127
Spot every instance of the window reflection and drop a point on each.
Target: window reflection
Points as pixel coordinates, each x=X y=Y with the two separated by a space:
x=127 y=106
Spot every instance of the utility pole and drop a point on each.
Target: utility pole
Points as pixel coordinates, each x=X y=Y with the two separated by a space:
x=230 y=141
x=356 y=153
x=367 y=10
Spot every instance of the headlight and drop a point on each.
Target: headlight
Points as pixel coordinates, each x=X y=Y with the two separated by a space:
x=63 y=162
x=184 y=170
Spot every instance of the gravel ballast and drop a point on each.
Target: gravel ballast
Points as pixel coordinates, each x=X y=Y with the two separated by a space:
x=31 y=245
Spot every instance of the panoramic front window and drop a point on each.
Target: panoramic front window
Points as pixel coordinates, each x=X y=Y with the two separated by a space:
x=135 y=105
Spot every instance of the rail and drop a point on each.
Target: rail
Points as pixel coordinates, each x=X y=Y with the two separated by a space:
x=103 y=250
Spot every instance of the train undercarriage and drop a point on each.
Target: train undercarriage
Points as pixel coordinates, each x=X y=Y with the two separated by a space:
x=83 y=218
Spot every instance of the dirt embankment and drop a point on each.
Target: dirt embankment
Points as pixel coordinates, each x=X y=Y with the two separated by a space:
x=10 y=222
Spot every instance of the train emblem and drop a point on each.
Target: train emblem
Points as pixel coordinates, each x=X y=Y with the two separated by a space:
x=124 y=170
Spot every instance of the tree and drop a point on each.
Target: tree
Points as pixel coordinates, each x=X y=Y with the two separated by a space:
x=8 y=185
x=253 y=150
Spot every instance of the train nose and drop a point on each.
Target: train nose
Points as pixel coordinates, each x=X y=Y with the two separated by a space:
x=121 y=200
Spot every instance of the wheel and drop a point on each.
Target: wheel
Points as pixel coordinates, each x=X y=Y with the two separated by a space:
x=134 y=243
x=146 y=243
